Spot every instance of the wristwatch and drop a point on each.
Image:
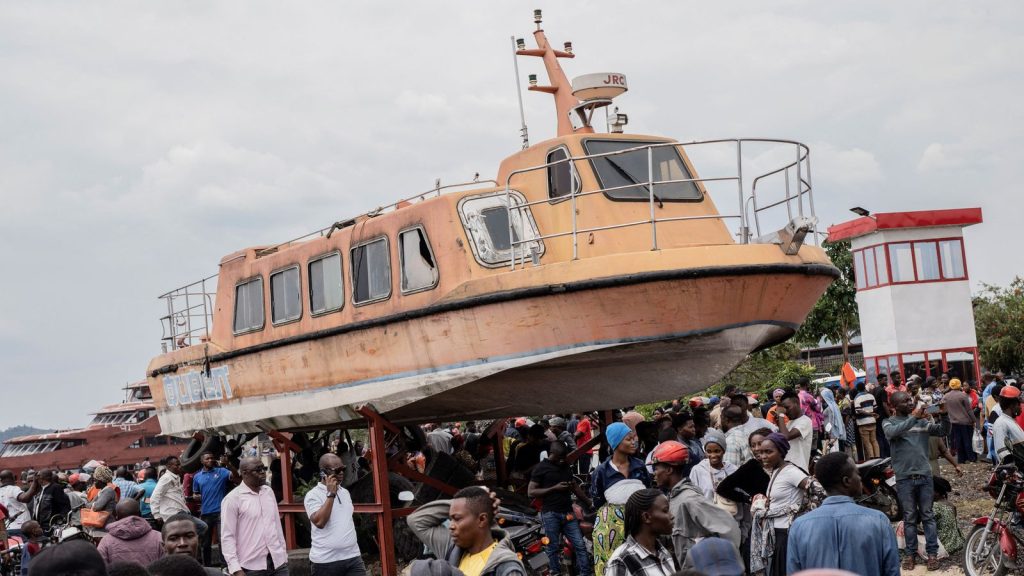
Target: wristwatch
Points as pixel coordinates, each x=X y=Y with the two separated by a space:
x=332 y=495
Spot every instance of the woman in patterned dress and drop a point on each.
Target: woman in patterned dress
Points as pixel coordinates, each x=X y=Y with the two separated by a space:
x=611 y=485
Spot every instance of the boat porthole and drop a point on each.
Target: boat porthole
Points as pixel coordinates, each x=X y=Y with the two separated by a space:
x=590 y=238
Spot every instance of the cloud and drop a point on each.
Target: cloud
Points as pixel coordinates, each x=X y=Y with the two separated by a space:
x=142 y=142
x=847 y=167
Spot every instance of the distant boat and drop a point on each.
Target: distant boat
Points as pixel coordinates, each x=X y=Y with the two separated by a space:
x=122 y=434
x=595 y=271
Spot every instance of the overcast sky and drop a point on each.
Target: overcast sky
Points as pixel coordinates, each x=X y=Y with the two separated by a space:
x=142 y=141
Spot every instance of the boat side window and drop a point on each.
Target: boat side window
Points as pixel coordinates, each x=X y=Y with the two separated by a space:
x=419 y=270
x=486 y=221
x=249 y=305
x=285 y=298
x=627 y=173
x=371 y=271
x=326 y=290
x=560 y=177
x=496 y=222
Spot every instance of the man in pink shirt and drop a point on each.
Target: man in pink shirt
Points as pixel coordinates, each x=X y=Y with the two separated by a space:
x=251 y=538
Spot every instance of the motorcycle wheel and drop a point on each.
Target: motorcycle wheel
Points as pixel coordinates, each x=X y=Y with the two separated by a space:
x=894 y=511
x=982 y=555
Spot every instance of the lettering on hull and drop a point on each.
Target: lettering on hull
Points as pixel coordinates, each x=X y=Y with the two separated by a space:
x=196 y=386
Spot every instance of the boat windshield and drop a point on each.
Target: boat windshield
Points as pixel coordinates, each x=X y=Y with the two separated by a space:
x=631 y=168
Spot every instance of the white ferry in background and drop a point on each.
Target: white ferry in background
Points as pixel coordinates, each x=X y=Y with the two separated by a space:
x=120 y=435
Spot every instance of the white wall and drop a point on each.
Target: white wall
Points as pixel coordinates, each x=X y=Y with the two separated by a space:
x=916 y=317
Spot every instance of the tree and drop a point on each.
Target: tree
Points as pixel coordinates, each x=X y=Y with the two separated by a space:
x=999 y=325
x=835 y=317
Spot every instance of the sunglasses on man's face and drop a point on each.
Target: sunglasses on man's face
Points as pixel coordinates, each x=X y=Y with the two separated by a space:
x=333 y=471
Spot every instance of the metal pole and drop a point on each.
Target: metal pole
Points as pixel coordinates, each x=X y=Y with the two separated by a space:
x=650 y=188
x=572 y=191
x=170 y=321
x=382 y=493
x=519 y=94
x=799 y=197
x=511 y=242
x=789 y=208
x=744 y=232
x=810 y=196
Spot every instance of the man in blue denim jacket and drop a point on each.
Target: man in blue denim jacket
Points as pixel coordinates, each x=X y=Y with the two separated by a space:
x=908 y=433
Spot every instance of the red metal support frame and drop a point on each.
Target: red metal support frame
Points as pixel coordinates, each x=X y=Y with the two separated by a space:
x=285 y=447
x=382 y=494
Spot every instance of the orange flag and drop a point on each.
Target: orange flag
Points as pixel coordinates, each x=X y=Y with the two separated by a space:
x=848 y=376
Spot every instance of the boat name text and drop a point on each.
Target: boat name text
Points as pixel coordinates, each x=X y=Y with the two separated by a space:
x=197 y=386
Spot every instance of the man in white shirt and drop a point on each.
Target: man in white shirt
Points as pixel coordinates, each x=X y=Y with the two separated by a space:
x=799 y=430
x=335 y=551
x=168 y=497
x=1006 y=427
x=17 y=510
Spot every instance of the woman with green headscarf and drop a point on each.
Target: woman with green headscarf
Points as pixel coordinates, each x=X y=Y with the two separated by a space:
x=611 y=485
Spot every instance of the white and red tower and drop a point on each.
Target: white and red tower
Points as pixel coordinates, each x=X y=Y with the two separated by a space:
x=913 y=291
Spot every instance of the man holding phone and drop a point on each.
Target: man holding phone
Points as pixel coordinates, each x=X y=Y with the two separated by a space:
x=334 y=550
x=908 y=433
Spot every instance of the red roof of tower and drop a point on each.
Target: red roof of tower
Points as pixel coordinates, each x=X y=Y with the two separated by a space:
x=893 y=220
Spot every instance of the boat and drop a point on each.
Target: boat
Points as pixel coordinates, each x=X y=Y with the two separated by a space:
x=594 y=270
x=123 y=434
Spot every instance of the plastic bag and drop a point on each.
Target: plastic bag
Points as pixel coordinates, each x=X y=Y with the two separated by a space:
x=979 y=442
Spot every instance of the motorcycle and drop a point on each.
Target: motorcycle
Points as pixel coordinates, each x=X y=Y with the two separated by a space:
x=992 y=545
x=879 y=491
x=526 y=532
x=64 y=528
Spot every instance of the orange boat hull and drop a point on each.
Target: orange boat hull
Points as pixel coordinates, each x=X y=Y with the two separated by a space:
x=480 y=352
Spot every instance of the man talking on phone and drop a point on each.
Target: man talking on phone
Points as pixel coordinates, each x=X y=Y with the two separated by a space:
x=335 y=551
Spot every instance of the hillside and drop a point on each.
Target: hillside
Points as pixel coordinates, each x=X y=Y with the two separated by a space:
x=15 y=431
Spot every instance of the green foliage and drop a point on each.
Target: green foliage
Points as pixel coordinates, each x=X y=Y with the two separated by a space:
x=299 y=494
x=766 y=370
x=834 y=317
x=999 y=324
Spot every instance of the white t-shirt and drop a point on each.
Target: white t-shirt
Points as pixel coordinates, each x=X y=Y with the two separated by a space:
x=337 y=539
x=800 y=448
x=9 y=498
x=785 y=491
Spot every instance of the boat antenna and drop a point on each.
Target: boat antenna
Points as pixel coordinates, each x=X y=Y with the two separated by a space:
x=560 y=88
x=523 y=131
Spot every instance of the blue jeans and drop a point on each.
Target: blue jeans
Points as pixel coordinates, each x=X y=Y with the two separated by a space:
x=916 y=495
x=555 y=523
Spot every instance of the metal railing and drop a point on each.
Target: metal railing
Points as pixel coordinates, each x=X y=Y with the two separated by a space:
x=432 y=193
x=189 y=318
x=794 y=177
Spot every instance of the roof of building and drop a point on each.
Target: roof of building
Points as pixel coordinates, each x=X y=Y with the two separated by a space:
x=895 y=220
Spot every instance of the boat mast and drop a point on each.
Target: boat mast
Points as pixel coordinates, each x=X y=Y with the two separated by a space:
x=519 y=94
x=559 y=86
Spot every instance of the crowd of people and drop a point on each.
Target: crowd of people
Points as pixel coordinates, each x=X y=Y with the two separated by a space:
x=711 y=485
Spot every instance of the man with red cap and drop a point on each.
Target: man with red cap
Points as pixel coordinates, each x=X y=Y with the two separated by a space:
x=1006 y=428
x=694 y=515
